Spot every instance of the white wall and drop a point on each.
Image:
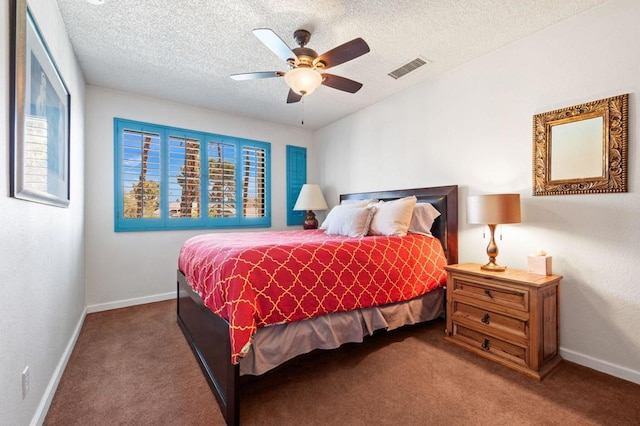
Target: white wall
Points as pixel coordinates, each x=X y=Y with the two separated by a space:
x=473 y=127
x=134 y=267
x=41 y=249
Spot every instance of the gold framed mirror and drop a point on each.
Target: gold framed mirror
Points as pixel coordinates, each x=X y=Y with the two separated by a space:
x=581 y=149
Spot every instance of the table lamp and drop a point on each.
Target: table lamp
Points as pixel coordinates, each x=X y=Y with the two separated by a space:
x=310 y=199
x=492 y=210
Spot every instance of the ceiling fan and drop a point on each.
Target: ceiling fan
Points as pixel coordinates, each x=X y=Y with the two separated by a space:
x=306 y=66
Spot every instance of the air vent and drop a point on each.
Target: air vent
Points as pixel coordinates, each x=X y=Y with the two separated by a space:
x=408 y=67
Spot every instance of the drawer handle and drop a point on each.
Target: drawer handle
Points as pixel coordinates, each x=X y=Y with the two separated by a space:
x=485 y=319
x=488 y=293
x=485 y=344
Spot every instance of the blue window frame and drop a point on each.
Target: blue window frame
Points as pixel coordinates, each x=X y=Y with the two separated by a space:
x=168 y=178
x=296 y=177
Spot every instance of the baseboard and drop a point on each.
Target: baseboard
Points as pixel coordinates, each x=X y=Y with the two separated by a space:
x=47 y=397
x=130 y=302
x=602 y=366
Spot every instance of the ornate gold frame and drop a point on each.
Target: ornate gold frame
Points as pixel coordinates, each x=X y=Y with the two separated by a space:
x=614 y=112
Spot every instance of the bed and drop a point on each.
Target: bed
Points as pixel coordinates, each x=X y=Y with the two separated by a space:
x=222 y=350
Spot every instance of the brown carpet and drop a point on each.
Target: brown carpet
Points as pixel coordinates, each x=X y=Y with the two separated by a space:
x=133 y=366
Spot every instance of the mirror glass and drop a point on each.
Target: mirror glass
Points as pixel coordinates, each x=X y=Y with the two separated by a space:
x=581 y=149
x=576 y=149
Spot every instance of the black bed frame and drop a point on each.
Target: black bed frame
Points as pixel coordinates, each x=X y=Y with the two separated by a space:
x=208 y=334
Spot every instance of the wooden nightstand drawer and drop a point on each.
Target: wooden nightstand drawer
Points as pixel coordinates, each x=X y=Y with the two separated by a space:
x=488 y=291
x=510 y=317
x=492 y=345
x=504 y=326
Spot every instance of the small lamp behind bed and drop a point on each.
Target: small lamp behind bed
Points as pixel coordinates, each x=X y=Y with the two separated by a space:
x=310 y=199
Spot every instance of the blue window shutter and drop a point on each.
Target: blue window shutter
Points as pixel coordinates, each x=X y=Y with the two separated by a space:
x=296 y=177
x=167 y=178
x=138 y=176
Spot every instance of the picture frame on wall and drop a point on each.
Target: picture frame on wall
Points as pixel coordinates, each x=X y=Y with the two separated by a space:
x=40 y=116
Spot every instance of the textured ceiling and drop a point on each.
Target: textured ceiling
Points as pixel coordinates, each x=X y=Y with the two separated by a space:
x=185 y=50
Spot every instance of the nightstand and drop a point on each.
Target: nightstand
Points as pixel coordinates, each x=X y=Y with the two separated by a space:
x=509 y=317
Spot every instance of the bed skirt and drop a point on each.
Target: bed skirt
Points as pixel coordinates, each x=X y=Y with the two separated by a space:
x=277 y=344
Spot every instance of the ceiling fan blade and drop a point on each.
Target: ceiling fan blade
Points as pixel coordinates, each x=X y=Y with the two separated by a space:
x=343 y=53
x=274 y=43
x=293 y=97
x=341 y=83
x=256 y=75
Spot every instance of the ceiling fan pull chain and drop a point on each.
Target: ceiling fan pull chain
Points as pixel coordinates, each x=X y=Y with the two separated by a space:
x=302 y=102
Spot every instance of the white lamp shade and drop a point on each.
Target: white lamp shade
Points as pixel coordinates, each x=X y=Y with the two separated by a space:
x=310 y=198
x=303 y=81
x=493 y=209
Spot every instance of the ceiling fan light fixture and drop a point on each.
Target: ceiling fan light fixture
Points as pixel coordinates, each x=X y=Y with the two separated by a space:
x=303 y=81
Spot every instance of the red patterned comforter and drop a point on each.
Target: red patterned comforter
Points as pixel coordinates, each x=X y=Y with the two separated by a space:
x=256 y=279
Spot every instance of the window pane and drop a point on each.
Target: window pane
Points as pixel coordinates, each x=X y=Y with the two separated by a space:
x=253 y=182
x=222 y=179
x=140 y=174
x=184 y=177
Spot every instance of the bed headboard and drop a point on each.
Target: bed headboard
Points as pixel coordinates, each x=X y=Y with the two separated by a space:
x=443 y=198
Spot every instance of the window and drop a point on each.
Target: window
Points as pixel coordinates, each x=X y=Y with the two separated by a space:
x=296 y=177
x=170 y=178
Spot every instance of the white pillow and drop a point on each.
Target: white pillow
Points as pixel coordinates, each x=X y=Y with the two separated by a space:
x=424 y=214
x=349 y=221
x=358 y=203
x=327 y=220
x=393 y=217
x=347 y=203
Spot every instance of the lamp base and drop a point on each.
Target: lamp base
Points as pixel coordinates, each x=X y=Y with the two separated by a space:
x=493 y=266
x=310 y=221
x=492 y=252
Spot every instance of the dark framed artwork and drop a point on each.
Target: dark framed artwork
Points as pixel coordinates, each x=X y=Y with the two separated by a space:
x=40 y=108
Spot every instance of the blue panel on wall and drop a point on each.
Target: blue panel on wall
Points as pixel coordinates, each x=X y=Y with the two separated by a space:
x=296 y=177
